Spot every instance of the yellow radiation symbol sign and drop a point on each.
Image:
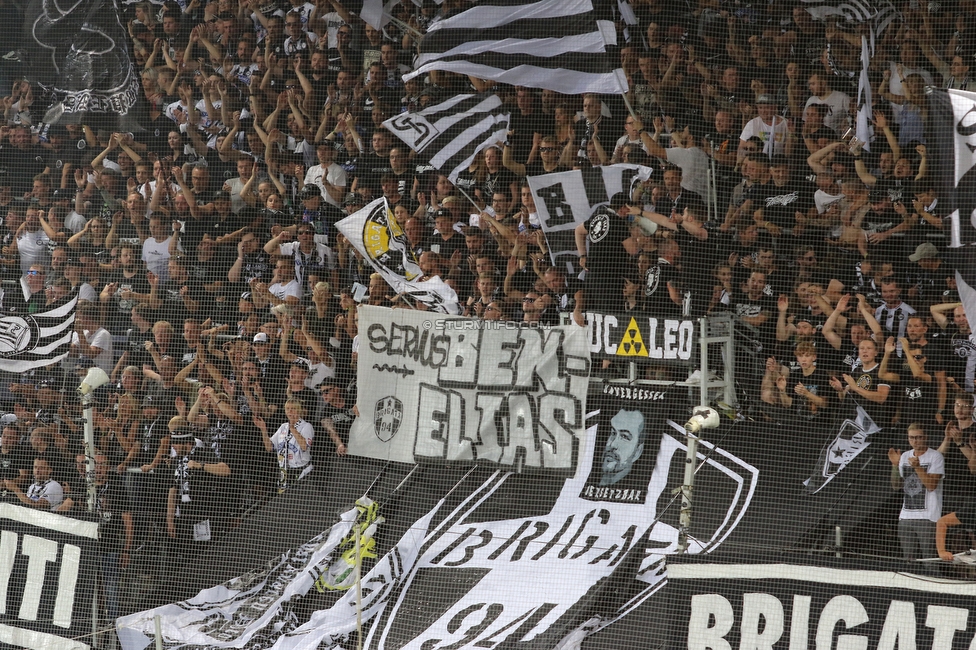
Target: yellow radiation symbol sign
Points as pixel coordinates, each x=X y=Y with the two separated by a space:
x=632 y=343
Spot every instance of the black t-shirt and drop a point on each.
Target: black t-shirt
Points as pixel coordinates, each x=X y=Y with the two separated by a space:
x=500 y=181
x=404 y=182
x=745 y=306
x=606 y=259
x=959 y=357
x=757 y=194
x=20 y=166
x=918 y=400
x=148 y=436
x=341 y=418
x=466 y=182
x=656 y=297
x=57 y=159
x=196 y=489
x=957 y=483
x=817 y=383
x=536 y=169
x=723 y=143
x=447 y=247
x=119 y=314
x=525 y=128
x=12 y=462
x=781 y=203
x=371 y=168
x=256 y=266
x=310 y=402
x=868 y=380
x=174 y=309
x=111 y=503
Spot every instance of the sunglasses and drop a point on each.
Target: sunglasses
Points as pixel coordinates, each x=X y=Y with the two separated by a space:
x=546 y=149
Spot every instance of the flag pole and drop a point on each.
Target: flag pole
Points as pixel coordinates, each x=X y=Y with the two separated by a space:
x=623 y=93
x=417 y=35
x=468 y=197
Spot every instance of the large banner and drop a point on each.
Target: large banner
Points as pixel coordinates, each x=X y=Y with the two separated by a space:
x=252 y=610
x=509 y=559
x=639 y=336
x=723 y=606
x=563 y=200
x=513 y=568
x=47 y=577
x=438 y=389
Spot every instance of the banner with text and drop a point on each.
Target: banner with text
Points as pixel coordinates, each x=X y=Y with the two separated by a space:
x=527 y=571
x=641 y=337
x=563 y=200
x=48 y=564
x=784 y=605
x=433 y=388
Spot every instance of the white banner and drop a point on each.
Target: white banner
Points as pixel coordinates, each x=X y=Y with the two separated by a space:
x=433 y=388
x=564 y=200
x=245 y=611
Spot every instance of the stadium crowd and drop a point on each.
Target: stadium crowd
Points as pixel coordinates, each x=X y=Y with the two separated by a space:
x=217 y=294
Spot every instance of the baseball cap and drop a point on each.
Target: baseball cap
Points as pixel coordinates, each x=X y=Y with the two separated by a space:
x=310 y=191
x=221 y=195
x=925 y=251
x=619 y=200
x=766 y=99
x=261 y=337
x=353 y=198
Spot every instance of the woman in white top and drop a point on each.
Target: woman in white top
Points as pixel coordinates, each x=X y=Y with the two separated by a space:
x=291 y=443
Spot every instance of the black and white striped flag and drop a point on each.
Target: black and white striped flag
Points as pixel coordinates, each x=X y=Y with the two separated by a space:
x=555 y=44
x=879 y=13
x=29 y=341
x=450 y=134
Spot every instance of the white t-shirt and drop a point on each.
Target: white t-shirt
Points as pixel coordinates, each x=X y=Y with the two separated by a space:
x=156 y=256
x=234 y=187
x=34 y=249
x=102 y=340
x=694 y=168
x=289 y=454
x=773 y=136
x=838 y=104
x=333 y=21
x=917 y=501
x=75 y=222
x=282 y=291
x=335 y=175
x=87 y=293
